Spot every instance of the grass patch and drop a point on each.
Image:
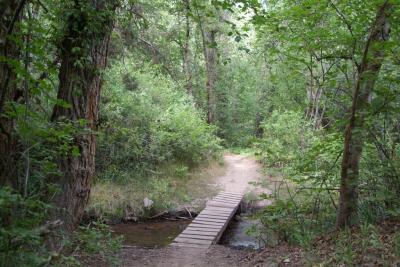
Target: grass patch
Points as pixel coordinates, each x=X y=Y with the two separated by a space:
x=171 y=187
x=246 y=151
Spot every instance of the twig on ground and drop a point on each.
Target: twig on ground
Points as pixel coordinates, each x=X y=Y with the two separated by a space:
x=188 y=211
x=158 y=215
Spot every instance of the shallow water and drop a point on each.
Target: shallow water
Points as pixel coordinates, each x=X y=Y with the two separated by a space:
x=150 y=234
x=235 y=235
x=162 y=233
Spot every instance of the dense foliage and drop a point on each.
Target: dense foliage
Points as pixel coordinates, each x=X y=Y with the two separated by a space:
x=318 y=61
x=146 y=121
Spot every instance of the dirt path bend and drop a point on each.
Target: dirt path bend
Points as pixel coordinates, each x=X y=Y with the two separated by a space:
x=240 y=170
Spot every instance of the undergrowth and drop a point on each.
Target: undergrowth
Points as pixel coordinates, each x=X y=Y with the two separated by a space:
x=95 y=243
x=25 y=236
x=172 y=187
x=305 y=197
x=152 y=140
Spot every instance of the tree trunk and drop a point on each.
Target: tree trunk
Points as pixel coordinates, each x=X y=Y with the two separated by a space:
x=10 y=17
x=83 y=55
x=370 y=66
x=208 y=34
x=396 y=138
x=210 y=56
x=186 y=51
x=259 y=130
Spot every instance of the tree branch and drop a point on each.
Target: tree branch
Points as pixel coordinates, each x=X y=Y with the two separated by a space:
x=16 y=14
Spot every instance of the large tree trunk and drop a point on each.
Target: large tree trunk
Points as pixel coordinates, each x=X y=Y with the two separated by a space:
x=370 y=66
x=10 y=17
x=83 y=55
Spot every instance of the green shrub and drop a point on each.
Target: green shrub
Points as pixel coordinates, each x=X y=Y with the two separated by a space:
x=151 y=125
x=287 y=135
x=96 y=240
x=297 y=219
x=21 y=237
x=307 y=163
x=150 y=136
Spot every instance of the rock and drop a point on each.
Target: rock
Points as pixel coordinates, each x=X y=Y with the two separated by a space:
x=131 y=218
x=147 y=202
x=286 y=261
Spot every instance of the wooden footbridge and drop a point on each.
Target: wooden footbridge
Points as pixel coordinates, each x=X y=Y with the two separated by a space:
x=207 y=228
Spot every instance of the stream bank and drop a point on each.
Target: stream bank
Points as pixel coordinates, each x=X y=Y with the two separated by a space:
x=242 y=232
x=144 y=248
x=242 y=174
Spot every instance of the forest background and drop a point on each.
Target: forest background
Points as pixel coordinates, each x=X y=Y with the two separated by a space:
x=127 y=98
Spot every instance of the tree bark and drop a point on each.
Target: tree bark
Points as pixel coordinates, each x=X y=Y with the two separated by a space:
x=368 y=72
x=258 y=129
x=186 y=50
x=208 y=34
x=10 y=17
x=83 y=54
x=210 y=57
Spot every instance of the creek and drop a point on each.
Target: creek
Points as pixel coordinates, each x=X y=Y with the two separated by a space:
x=156 y=234
x=151 y=234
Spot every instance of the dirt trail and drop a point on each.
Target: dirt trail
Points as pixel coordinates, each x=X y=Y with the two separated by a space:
x=216 y=255
x=240 y=170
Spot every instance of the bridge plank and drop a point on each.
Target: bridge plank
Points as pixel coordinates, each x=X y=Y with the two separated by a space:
x=222 y=198
x=193 y=241
x=218 y=209
x=208 y=223
x=220 y=204
x=204 y=226
x=212 y=220
x=202 y=229
x=200 y=237
x=186 y=245
x=233 y=203
x=230 y=195
x=210 y=233
x=208 y=227
x=217 y=212
x=215 y=216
